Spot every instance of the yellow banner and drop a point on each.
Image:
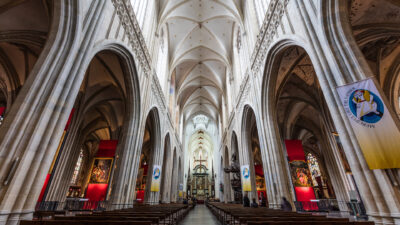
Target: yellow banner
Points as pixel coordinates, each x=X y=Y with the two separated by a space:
x=156 y=177
x=374 y=126
x=245 y=173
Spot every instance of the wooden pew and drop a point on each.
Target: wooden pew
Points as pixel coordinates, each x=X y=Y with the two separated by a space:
x=143 y=215
x=237 y=214
x=83 y=222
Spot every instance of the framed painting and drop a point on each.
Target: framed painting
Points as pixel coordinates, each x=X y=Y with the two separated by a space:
x=101 y=170
x=300 y=173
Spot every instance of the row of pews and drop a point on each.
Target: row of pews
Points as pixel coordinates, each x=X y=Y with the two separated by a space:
x=233 y=214
x=166 y=214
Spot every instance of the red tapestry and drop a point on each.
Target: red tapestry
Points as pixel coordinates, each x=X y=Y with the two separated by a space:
x=107 y=148
x=101 y=170
x=259 y=170
x=140 y=196
x=69 y=119
x=96 y=192
x=300 y=174
x=44 y=187
x=2 y=109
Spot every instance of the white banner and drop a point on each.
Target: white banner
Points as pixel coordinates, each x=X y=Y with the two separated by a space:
x=156 y=177
x=373 y=124
x=245 y=172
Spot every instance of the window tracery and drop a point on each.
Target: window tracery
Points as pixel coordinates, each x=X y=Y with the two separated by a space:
x=313 y=165
x=77 y=169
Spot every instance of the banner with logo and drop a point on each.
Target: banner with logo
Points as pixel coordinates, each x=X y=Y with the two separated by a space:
x=373 y=124
x=156 y=176
x=245 y=173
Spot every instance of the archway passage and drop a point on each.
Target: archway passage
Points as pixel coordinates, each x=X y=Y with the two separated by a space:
x=258 y=168
x=307 y=131
x=87 y=156
x=149 y=147
x=251 y=142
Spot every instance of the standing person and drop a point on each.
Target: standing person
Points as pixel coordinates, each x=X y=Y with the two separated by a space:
x=194 y=201
x=254 y=204
x=263 y=200
x=246 y=200
x=285 y=205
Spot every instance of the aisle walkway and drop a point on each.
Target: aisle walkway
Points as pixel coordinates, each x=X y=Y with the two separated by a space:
x=200 y=215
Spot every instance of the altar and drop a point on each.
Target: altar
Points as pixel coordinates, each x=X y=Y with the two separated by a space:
x=200 y=183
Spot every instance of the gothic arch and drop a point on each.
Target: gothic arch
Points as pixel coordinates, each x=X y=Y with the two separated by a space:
x=252 y=152
x=109 y=125
x=287 y=112
x=151 y=149
x=166 y=158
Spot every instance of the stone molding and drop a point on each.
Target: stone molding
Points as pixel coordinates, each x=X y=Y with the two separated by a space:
x=128 y=20
x=157 y=91
x=243 y=92
x=268 y=30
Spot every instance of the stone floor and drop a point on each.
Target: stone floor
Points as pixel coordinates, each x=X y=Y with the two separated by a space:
x=200 y=215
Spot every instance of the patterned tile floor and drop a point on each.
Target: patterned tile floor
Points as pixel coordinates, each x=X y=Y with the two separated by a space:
x=200 y=215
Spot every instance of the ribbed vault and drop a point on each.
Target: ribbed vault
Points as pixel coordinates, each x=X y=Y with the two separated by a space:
x=200 y=38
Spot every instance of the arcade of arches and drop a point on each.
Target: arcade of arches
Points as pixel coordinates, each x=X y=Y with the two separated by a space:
x=110 y=104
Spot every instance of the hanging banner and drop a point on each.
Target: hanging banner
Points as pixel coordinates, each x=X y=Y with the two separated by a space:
x=373 y=124
x=245 y=172
x=155 y=181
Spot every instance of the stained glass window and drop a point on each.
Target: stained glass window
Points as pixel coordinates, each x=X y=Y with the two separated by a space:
x=78 y=166
x=313 y=165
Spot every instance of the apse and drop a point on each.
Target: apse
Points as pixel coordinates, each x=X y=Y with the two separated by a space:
x=200 y=167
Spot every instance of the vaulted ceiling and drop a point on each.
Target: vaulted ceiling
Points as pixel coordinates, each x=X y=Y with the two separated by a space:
x=200 y=35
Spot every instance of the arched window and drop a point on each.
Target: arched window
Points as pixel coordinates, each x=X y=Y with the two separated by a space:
x=313 y=165
x=77 y=169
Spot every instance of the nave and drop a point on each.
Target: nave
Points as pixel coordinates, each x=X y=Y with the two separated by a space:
x=130 y=111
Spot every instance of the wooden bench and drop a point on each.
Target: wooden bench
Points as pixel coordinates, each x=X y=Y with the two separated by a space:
x=83 y=222
x=143 y=215
x=236 y=214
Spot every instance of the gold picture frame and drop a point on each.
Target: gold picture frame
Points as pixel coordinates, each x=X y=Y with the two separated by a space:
x=100 y=170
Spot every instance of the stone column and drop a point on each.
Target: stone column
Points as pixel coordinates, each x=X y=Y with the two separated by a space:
x=59 y=184
x=335 y=169
x=276 y=167
x=31 y=132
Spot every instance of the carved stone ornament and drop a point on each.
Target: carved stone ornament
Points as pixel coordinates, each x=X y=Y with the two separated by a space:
x=270 y=25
